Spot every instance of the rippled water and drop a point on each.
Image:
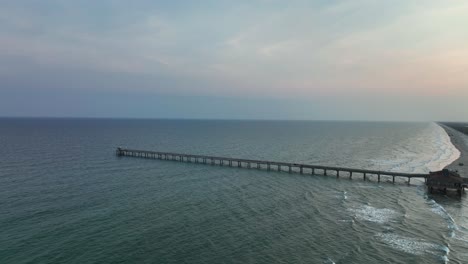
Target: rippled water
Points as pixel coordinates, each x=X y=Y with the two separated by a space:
x=66 y=198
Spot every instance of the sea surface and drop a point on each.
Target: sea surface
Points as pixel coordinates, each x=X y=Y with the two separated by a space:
x=66 y=198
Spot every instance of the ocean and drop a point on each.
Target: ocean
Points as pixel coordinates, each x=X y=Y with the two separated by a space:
x=65 y=197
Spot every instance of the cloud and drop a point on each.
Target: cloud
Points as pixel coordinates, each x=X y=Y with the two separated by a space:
x=406 y=52
x=285 y=49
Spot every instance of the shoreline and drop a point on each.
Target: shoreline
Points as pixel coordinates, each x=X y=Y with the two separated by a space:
x=460 y=141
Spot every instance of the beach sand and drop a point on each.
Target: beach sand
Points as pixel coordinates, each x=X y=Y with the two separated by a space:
x=458 y=133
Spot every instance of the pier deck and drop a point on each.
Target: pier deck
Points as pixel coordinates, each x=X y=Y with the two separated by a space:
x=267 y=165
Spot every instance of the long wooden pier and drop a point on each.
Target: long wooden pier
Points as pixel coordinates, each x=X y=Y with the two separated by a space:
x=267 y=165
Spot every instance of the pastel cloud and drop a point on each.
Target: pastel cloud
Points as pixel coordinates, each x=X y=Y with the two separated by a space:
x=294 y=49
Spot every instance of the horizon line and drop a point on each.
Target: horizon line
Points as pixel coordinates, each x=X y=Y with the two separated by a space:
x=227 y=119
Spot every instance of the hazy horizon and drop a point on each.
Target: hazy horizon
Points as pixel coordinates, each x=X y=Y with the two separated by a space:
x=229 y=119
x=261 y=60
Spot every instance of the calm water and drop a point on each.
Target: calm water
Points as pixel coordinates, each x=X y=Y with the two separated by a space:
x=66 y=198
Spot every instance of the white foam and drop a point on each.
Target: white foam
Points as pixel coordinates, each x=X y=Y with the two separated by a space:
x=436 y=151
x=440 y=210
x=372 y=214
x=413 y=245
x=445 y=152
x=429 y=149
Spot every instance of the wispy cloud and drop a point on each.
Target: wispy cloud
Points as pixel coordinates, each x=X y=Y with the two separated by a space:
x=295 y=49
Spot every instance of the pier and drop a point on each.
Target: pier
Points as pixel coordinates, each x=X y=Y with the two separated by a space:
x=269 y=165
x=444 y=180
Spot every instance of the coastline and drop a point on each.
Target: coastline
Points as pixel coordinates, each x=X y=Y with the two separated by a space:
x=460 y=141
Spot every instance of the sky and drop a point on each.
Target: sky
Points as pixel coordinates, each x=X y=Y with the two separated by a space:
x=399 y=60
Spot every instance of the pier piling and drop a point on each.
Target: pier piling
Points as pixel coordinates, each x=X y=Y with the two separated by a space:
x=298 y=168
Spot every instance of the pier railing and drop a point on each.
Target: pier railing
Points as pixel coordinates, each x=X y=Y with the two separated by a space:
x=268 y=165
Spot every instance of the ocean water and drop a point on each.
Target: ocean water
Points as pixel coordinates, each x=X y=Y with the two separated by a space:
x=66 y=198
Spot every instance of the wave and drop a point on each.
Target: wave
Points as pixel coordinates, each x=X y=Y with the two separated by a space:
x=446 y=152
x=440 y=210
x=372 y=214
x=414 y=246
x=430 y=149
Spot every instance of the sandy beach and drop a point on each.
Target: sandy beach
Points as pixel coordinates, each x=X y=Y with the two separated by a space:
x=458 y=133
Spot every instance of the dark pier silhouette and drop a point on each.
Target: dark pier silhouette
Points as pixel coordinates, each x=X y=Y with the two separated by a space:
x=268 y=165
x=446 y=180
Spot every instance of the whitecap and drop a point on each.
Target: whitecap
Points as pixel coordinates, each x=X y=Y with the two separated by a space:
x=328 y=261
x=372 y=214
x=413 y=245
x=346 y=220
